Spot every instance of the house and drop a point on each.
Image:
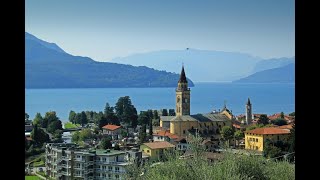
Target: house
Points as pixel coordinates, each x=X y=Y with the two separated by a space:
x=209 y=145
x=156 y=150
x=112 y=130
x=164 y=136
x=181 y=144
x=255 y=139
x=287 y=118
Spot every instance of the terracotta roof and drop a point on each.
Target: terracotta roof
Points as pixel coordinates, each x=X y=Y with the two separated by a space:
x=236 y=126
x=278 y=115
x=111 y=127
x=166 y=133
x=159 y=145
x=269 y=130
x=289 y=126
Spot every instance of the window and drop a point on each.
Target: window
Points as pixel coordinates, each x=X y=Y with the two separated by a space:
x=104 y=159
x=158 y=137
x=104 y=168
x=186 y=100
x=278 y=137
x=117 y=169
x=78 y=173
x=117 y=176
x=256 y=139
x=256 y=147
x=184 y=131
x=110 y=168
x=109 y=176
x=78 y=157
x=148 y=151
x=104 y=175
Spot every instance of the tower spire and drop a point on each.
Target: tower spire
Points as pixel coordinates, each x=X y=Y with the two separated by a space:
x=183 y=78
x=248 y=103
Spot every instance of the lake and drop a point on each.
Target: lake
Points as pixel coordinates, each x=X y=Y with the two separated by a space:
x=205 y=97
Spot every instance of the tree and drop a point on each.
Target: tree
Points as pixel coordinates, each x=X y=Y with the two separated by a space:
x=126 y=112
x=85 y=134
x=227 y=133
x=108 y=109
x=282 y=115
x=37 y=120
x=150 y=114
x=292 y=139
x=164 y=112
x=150 y=128
x=142 y=134
x=78 y=118
x=102 y=122
x=72 y=117
x=124 y=133
x=50 y=116
x=54 y=125
x=271 y=151
x=83 y=118
x=106 y=143
x=263 y=119
x=143 y=118
x=172 y=112
x=238 y=135
x=26 y=118
x=292 y=114
x=75 y=137
x=58 y=134
x=279 y=122
x=39 y=136
x=155 y=114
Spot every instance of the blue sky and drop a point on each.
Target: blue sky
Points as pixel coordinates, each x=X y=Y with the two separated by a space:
x=105 y=29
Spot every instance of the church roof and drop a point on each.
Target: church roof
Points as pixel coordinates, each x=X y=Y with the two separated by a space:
x=183 y=78
x=209 y=117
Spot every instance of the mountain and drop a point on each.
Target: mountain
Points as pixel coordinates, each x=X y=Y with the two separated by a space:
x=272 y=63
x=284 y=74
x=48 y=66
x=200 y=65
x=44 y=43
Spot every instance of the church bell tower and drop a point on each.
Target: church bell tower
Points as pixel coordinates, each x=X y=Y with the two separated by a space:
x=248 y=112
x=182 y=95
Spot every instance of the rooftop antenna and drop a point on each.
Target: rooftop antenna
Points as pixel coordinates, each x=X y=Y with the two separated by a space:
x=225 y=104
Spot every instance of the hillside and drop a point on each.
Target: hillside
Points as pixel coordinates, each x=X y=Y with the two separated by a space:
x=200 y=65
x=48 y=66
x=272 y=63
x=284 y=74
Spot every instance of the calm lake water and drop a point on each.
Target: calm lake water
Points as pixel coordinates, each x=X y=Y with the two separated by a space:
x=265 y=98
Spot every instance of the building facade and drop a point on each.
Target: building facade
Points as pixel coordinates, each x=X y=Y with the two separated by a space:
x=68 y=161
x=156 y=150
x=256 y=138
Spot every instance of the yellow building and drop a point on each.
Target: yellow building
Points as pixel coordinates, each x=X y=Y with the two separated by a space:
x=156 y=150
x=207 y=124
x=255 y=139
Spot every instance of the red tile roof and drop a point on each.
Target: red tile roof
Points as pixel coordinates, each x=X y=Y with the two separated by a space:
x=289 y=126
x=269 y=130
x=159 y=145
x=278 y=115
x=167 y=134
x=111 y=127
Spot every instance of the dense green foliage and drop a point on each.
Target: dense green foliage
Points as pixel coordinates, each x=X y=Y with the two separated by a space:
x=72 y=117
x=37 y=120
x=231 y=167
x=164 y=112
x=142 y=134
x=126 y=112
x=263 y=119
x=69 y=125
x=292 y=114
x=172 y=112
x=39 y=136
x=279 y=122
x=227 y=133
x=106 y=143
x=82 y=135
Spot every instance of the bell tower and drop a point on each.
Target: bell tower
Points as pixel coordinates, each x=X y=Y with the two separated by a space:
x=182 y=95
x=248 y=112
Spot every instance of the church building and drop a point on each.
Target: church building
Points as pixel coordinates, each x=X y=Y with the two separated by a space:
x=184 y=123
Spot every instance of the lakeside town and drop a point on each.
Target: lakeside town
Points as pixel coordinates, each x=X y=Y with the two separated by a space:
x=110 y=143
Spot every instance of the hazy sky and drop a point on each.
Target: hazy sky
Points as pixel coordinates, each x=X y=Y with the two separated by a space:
x=105 y=29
